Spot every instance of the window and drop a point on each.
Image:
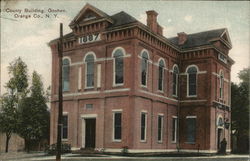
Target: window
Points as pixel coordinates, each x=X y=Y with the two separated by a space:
x=161 y=75
x=221 y=84
x=117 y=126
x=174 y=129
x=160 y=128
x=192 y=81
x=175 y=80
x=65 y=74
x=220 y=122
x=65 y=127
x=89 y=60
x=143 y=126
x=118 y=66
x=89 y=106
x=144 y=68
x=191 y=128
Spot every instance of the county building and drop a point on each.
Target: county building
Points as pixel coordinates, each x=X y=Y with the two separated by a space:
x=125 y=85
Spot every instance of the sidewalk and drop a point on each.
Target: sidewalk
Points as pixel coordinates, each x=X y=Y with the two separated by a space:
x=40 y=156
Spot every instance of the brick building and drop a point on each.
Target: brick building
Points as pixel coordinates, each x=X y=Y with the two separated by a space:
x=126 y=85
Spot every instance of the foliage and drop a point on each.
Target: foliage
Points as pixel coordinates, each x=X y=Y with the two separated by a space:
x=33 y=113
x=240 y=110
x=66 y=148
x=17 y=89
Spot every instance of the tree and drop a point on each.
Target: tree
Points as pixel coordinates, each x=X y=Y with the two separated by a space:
x=17 y=89
x=33 y=114
x=240 y=110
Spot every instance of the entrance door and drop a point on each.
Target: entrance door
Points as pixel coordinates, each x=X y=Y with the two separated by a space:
x=90 y=133
x=219 y=138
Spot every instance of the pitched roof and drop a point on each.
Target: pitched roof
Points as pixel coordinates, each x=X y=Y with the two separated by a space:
x=199 y=39
x=122 y=18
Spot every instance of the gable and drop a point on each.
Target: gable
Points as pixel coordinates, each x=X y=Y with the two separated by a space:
x=88 y=13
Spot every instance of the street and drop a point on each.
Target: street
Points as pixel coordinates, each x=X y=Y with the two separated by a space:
x=76 y=157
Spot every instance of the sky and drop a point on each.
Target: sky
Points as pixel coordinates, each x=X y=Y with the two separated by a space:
x=28 y=37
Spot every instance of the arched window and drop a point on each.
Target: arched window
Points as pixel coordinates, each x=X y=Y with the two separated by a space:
x=118 y=66
x=175 y=79
x=221 y=84
x=89 y=60
x=220 y=122
x=161 y=75
x=144 y=68
x=65 y=74
x=192 y=80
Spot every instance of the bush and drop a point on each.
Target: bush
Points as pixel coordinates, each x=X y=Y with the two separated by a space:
x=66 y=148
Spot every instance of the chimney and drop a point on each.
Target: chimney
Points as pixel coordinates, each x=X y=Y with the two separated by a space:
x=182 y=38
x=152 y=20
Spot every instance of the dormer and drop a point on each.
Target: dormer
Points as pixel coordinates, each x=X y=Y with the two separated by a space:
x=222 y=42
x=90 y=20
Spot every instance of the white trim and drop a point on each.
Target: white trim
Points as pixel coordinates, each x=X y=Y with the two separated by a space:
x=202 y=72
x=95 y=92
x=146 y=123
x=192 y=65
x=117 y=90
x=196 y=84
x=157 y=95
x=117 y=48
x=65 y=113
x=217 y=122
x=161 y=115
x=193 y=100
x=147 y=72
x=83 y=117
x=99 y=75
x=79 y=78
x=191 y=117
x=177 y=82
x=123 y=54
x=89 y=53
x=86 y=67
x=175 y=131
x=67 y=57
x=163 y=75
x=115 y=111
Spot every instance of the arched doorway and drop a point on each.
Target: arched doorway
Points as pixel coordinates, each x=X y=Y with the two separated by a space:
x=220 y=130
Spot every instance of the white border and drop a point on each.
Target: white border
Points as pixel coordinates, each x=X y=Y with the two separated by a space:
x=124 y=54
x=89 y=53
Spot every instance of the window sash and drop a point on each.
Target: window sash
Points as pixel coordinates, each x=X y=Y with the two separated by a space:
x=117 y=126
x=143 y=126
x=118 y=70
x=160 y=80
x=65 y=77
x=174 y=129
x=90 y=74
x=160 y=128
x=191 y=129
x=144 y=66
x=65 y=127
x=175 y=81
x=192 y=84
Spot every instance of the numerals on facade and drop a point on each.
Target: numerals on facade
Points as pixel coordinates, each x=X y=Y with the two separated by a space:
x=89 y=38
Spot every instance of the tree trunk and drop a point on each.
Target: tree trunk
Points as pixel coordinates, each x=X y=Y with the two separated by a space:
x=27 y=145
x=8 y=135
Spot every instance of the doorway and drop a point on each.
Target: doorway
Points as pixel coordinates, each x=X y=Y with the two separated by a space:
x=219 y=138
x=90 y=132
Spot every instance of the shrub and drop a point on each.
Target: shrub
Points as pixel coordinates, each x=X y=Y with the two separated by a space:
x=66 y=148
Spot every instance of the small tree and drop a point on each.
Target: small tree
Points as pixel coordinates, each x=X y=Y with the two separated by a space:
x=33 y=114
x=17 y=89
x=240 y=111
